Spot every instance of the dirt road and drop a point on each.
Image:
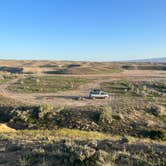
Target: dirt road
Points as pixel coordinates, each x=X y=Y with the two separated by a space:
x=70 y=98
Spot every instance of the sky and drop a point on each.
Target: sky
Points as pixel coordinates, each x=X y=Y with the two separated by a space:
x=93 y=30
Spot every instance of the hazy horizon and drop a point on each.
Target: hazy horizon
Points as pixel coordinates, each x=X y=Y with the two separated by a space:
x=129 y=60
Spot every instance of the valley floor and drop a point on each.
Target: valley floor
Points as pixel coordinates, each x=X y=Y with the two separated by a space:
x=47 y=118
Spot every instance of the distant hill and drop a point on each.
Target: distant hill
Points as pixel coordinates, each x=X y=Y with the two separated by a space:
x=161 y=60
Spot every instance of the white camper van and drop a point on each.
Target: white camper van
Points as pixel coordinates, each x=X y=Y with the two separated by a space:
x=97 y=93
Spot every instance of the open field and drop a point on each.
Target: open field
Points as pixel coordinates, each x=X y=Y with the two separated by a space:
x=46 y=117
x=47 y=84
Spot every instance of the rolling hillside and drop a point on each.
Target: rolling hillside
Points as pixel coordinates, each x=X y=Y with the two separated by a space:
x=161 y=60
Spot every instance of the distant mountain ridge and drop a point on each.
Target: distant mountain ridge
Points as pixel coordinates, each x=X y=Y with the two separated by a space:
x=161 y=60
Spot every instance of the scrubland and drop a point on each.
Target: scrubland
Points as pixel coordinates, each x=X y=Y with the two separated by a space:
x=46 y=117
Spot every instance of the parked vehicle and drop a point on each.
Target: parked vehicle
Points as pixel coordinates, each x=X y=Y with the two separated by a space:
x=97 y=93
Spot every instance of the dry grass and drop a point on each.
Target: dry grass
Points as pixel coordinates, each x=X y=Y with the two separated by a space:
x=4 y=128
x=53 y=135
x=4 y=101
x=66 y=134
x=32 y=70
x=47 y=84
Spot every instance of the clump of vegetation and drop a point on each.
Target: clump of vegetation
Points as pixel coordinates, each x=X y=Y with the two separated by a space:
x=128 y=67
x=5 y=78
x=137 y=89
x=105 y=118
x=58 y=71
x=47 y=84
x=157 y=110
x=11 y=69
x=45 y=110
x=144 y=67
x=77 y=148
x=80 y=70
x=151 y=67
x=162 y=118
x=156 y=134
x=24 y=117
x=83 y=118
x=48 y=117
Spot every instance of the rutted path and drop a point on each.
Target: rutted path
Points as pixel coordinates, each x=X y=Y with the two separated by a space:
x=9 y=94
x=68 y=98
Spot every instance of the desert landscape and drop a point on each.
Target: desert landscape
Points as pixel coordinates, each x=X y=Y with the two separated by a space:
x=47 y=117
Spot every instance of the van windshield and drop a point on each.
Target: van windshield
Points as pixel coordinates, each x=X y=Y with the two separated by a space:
x=95 y=92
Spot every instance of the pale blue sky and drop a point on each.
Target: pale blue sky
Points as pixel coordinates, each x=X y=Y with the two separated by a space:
x=99 y=30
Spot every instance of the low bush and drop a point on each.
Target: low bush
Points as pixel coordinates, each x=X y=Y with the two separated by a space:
x=105 y=118
x=157 y=110
x=156 y=134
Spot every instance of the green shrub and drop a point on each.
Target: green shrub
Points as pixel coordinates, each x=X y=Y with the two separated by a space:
x=47 y=84
x=105 y=118
x=156 y=134
x=44 y=110
x=162 y=118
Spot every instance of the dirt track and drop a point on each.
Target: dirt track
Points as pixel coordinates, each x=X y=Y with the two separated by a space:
x=68 y=98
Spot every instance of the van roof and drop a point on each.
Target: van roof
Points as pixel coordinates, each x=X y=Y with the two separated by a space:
x=96 y=90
